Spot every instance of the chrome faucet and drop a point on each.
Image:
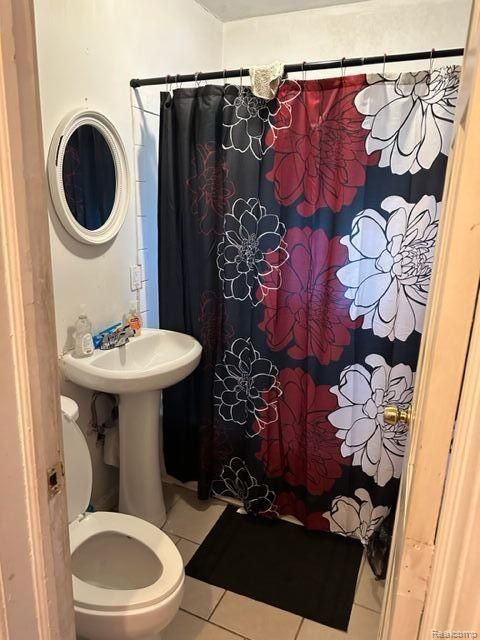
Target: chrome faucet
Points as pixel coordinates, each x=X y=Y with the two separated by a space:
x=124 y=335
x=119 y=339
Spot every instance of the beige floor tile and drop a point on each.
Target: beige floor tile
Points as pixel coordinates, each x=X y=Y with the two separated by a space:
x=256 y=620
x=193 y=484
x=170 y=495
x=363 y=626
x=200 y=598
x=187 y=627
x=187 y=550
x=192 y=518
x=370 y=591
x=173 y=538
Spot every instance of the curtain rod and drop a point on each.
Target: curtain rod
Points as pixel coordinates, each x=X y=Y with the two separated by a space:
x=300 y=66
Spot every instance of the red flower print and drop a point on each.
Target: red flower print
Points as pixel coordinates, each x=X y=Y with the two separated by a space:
x=321 y=157
x=211 y=188
x=214 y=324
x=288 y=504
x=301 y=445
x=309 y=312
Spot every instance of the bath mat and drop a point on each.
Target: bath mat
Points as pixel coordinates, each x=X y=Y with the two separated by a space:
x=310 y=573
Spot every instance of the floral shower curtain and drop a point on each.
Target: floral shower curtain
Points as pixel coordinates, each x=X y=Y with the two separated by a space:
x=296 y=244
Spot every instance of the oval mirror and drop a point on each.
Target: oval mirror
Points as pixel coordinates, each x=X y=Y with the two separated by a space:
x=88 y=177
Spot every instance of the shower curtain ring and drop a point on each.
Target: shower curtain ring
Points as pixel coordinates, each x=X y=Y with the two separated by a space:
x=384 y=63
x=304 y=73
x=224 y=76
x=197 y=82
x=342 y=62
x=432 y=52
x=241 y=78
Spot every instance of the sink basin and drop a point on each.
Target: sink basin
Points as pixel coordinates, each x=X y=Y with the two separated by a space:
x=154 y=360
x=137 y=372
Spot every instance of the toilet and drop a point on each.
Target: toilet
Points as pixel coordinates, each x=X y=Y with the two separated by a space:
x=127 y=574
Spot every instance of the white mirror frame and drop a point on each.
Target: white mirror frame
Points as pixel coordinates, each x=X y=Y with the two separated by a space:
x=63 y=132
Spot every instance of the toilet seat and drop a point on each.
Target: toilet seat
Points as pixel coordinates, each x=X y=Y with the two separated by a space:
x=89 y=596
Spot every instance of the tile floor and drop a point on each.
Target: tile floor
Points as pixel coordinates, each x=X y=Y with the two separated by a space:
x=211 y=613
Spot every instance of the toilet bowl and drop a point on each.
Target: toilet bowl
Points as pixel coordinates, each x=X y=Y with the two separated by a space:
x=127 y=574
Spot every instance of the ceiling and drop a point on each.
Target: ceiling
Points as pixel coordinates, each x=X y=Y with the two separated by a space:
x=227 y=10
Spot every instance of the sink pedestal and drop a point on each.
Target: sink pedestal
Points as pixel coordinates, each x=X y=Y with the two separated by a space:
x=141 y=492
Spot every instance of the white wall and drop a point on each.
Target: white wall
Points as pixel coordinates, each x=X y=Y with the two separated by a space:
x=146 y=122
x=372 y=27
x=87 y=52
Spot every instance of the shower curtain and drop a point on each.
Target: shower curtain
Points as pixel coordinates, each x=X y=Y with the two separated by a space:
x=296 y=239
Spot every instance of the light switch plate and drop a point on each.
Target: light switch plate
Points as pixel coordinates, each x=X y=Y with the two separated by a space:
x=135 y=277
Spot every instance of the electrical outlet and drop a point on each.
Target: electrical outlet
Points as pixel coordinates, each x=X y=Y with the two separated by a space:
x=135 y=277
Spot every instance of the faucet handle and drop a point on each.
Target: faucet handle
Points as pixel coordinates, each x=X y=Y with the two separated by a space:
x=128 y=331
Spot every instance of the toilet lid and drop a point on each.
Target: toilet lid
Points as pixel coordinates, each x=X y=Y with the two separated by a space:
x=70 y=407
x=78 y=469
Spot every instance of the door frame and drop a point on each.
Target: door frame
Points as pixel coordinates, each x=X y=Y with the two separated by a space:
x=413 y=592
x=35 y=578
x=453 y=594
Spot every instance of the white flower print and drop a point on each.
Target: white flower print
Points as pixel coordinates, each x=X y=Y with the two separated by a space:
x=251 y=252
x=362 y=395
x=246 y=386
x=410 y=117
x=388 y=275
x=355 y=517
x=247 y=119
x=236 y=481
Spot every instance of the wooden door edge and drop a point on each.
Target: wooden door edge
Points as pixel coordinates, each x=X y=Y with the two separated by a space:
x=452 y=602
x=36 y=587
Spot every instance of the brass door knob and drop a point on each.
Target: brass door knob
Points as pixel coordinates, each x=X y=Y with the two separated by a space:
x=393 y=415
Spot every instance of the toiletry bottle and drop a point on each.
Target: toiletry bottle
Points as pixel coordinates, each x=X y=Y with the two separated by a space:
x=83 y=335
x=134 y=319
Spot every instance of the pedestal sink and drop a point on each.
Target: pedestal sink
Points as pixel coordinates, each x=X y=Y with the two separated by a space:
x=137 y=372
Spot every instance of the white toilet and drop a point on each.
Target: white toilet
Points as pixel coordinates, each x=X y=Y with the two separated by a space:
x=127 y=574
